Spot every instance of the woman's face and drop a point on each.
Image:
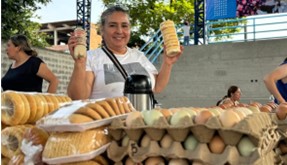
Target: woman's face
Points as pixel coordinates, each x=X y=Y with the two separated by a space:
x=11 y=50
x=236 y=95
x=116 y=31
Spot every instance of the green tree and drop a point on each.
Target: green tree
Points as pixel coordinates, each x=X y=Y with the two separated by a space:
x=16 y=19
x=146 y=15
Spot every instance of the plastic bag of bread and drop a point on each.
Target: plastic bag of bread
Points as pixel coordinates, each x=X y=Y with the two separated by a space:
x=26 y=108
x=33 y=144
x=17 y=159
x=82 y=115
x=170 y=38
x=11 y=140
x=23 y=140
x=67 y=147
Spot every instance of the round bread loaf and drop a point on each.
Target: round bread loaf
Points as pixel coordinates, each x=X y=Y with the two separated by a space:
x=33 y=107
x=12 y=108
x=170 y=38
x=79 y=118
x=98 y=108
x=113 y=103
x=107 y=107
x=11 y=139
x=89 y=112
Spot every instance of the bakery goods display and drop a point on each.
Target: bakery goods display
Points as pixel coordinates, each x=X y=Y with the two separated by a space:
x=82 y=115
x=79 y=132
x=26 y=108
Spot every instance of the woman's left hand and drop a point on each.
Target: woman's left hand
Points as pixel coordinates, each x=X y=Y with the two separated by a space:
x=171 y=60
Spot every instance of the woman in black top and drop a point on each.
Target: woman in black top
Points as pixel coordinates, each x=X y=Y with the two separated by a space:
x=27 y=71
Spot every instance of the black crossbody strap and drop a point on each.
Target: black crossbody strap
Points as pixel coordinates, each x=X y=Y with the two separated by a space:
x=115 y=61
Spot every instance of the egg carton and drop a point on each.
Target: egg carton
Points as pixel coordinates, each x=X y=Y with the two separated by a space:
x=202 y=153
x=258 y=127
x=281 y=124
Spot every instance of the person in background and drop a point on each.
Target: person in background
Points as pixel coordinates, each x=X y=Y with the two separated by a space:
x=95 y=76
x=27 y=71
x=276 y=82
x=186 y=33
x=232 y=97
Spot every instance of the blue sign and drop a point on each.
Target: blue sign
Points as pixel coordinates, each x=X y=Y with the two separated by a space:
x=220 y=9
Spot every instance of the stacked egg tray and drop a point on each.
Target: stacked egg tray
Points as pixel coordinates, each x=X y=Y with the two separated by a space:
x=282 y=129
x=258 y=127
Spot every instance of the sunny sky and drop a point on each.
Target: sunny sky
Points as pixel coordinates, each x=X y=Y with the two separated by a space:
x=62 y=10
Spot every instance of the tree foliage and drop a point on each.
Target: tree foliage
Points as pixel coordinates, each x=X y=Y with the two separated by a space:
x=146 y=15
x=16 y=19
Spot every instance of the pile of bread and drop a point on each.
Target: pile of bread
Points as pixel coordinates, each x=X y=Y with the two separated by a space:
x=26 y=108
x=21 y=112
x=170 y=38
x=101 y=110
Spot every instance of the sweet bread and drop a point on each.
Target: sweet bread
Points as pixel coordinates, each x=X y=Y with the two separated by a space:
x=13 y=112
x=79 y=118
x=11 y=140
x=170 y=38
x=89 y=112
x=33 y=107
x=40 y=111
x=113 y=103
x=124 y=101
x=96 y=107
x=54 y=101
x=51 y=106
x=36 y=135
x=25 y=110
x=63 y=144
x=44 y=104
x=107 y=107
x=120 y=105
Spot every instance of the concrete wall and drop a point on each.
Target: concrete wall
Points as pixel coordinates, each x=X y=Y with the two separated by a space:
x=61 y=65
x=203 y=73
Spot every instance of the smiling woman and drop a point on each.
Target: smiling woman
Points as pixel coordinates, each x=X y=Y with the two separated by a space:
x=95 y=76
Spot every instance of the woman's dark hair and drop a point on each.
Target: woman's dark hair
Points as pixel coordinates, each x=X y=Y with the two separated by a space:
x=185 y=23
x=231 y=89
x=110 y=11
x=22 y=41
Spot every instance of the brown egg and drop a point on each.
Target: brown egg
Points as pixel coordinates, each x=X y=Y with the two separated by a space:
x=242 y=105
x=281 y=111
x=202 y=117
x=265 y=108
x=257 y=104
x=216 y=145
x=133 y=117
x=145 y=141
x=225 y=105
x=283 y=147
x=229 y=118
x=129 y=161
x=154 y=161
x=166 y=113
x=253 y=108
x=166 y=141
x=272 y=105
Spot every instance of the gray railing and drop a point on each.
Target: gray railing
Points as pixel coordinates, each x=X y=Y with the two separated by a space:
x=253 y=28
x=260 y=27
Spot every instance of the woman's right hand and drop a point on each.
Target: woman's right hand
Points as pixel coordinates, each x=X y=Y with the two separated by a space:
x=72 y=42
